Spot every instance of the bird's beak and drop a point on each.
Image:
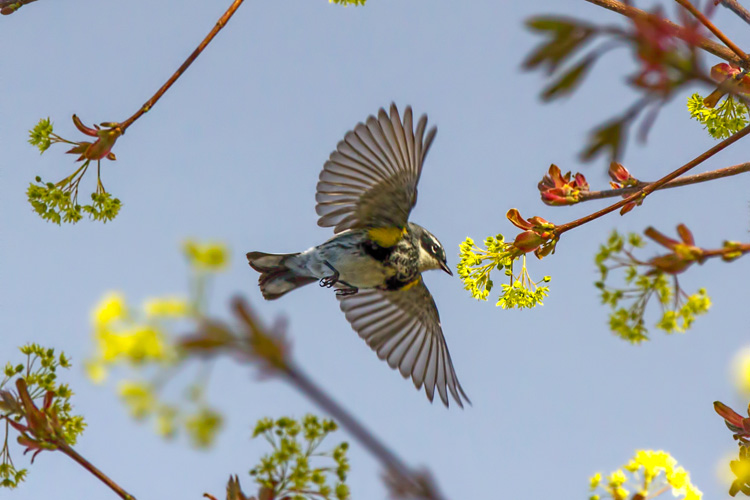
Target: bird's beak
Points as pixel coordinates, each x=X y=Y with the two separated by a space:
x=445 y=268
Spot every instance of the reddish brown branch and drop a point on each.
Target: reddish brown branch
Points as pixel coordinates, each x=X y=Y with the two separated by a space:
x=709 y=46
x=713 y=29
x=650 y=188
x=681 y=181
x=10 y=6
x=742 y=248
x=65 y=448
x=150 y=103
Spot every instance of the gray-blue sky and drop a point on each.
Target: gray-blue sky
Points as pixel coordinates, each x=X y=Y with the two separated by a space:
x=233 y=152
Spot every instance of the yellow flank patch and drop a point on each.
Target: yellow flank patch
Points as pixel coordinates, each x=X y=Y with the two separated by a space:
x=410 y=284
x=386 y=236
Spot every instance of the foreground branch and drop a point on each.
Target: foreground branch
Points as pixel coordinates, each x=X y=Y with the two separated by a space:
x=261 y=345
x=704 y=43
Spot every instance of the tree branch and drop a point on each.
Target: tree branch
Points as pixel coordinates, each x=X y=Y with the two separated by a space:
x=192 y=57
x=279 y=361
x=735 y=7
x=650 y=188
x=681 y=181
x=709 y=46
x=713 y=29
x=69 y=451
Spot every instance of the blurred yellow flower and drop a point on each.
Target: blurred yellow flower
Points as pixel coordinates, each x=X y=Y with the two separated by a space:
x=138 y=397
x=111 y=308
x=723 y=472
x=166 y=307
x=96 y=371
x=595 y=480
x=203 y=426
x=741 y=369
x=206 y=256
x=165 y=421
x=649 y=471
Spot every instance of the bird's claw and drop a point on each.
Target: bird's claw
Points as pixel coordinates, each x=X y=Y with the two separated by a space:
x=329 y=281
x=343 y=292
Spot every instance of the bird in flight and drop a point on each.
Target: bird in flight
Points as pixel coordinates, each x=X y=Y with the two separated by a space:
x=375 y=261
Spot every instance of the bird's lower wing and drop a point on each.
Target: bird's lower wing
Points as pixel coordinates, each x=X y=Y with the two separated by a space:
x=403 y=328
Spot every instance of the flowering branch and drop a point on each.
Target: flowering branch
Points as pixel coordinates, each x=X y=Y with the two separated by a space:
x=680 y=181
x=268 y=348
x=44 y=430
x=279 y=360
x=641 y=193
x=58 y=202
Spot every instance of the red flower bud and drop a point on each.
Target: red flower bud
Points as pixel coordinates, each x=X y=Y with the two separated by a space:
x=528 y=241
x=558 y=189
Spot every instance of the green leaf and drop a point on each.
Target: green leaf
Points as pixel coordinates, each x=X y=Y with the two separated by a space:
x=565 y=37
x=568 y=82
x=609 y=136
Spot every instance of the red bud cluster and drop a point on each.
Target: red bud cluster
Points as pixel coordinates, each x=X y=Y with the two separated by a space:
x=684 y=252
x=558 y=189
x=538 y=235
x=102 y=147
x=43 y=430
x=732 y=79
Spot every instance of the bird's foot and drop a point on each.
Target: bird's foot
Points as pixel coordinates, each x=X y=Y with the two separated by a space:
x=329 y=281
x=344 y=287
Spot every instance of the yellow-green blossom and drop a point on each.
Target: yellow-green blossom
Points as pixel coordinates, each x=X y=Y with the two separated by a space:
x=206 y=256
x=476 y=264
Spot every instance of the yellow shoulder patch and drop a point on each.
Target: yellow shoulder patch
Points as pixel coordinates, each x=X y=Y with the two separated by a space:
x=410 y=284
x=386 y=236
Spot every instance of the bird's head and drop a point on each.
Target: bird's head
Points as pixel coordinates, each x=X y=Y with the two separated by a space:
x=431 y=251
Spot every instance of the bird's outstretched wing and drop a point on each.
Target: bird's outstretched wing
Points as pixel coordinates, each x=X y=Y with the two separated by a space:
x=403 y=328
x=370 y=181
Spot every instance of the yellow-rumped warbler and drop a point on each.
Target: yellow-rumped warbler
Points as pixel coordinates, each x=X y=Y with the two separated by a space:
x=366 y=190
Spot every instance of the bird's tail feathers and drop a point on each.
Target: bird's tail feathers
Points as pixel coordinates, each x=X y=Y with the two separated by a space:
x=276 y=279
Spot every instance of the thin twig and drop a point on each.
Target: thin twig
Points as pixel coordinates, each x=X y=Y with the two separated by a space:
x=192 y=57
x=680 y=181
x=646 y=190
x=735 y=7
x=713 y=29
x=709 y=46
x=65 y=448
